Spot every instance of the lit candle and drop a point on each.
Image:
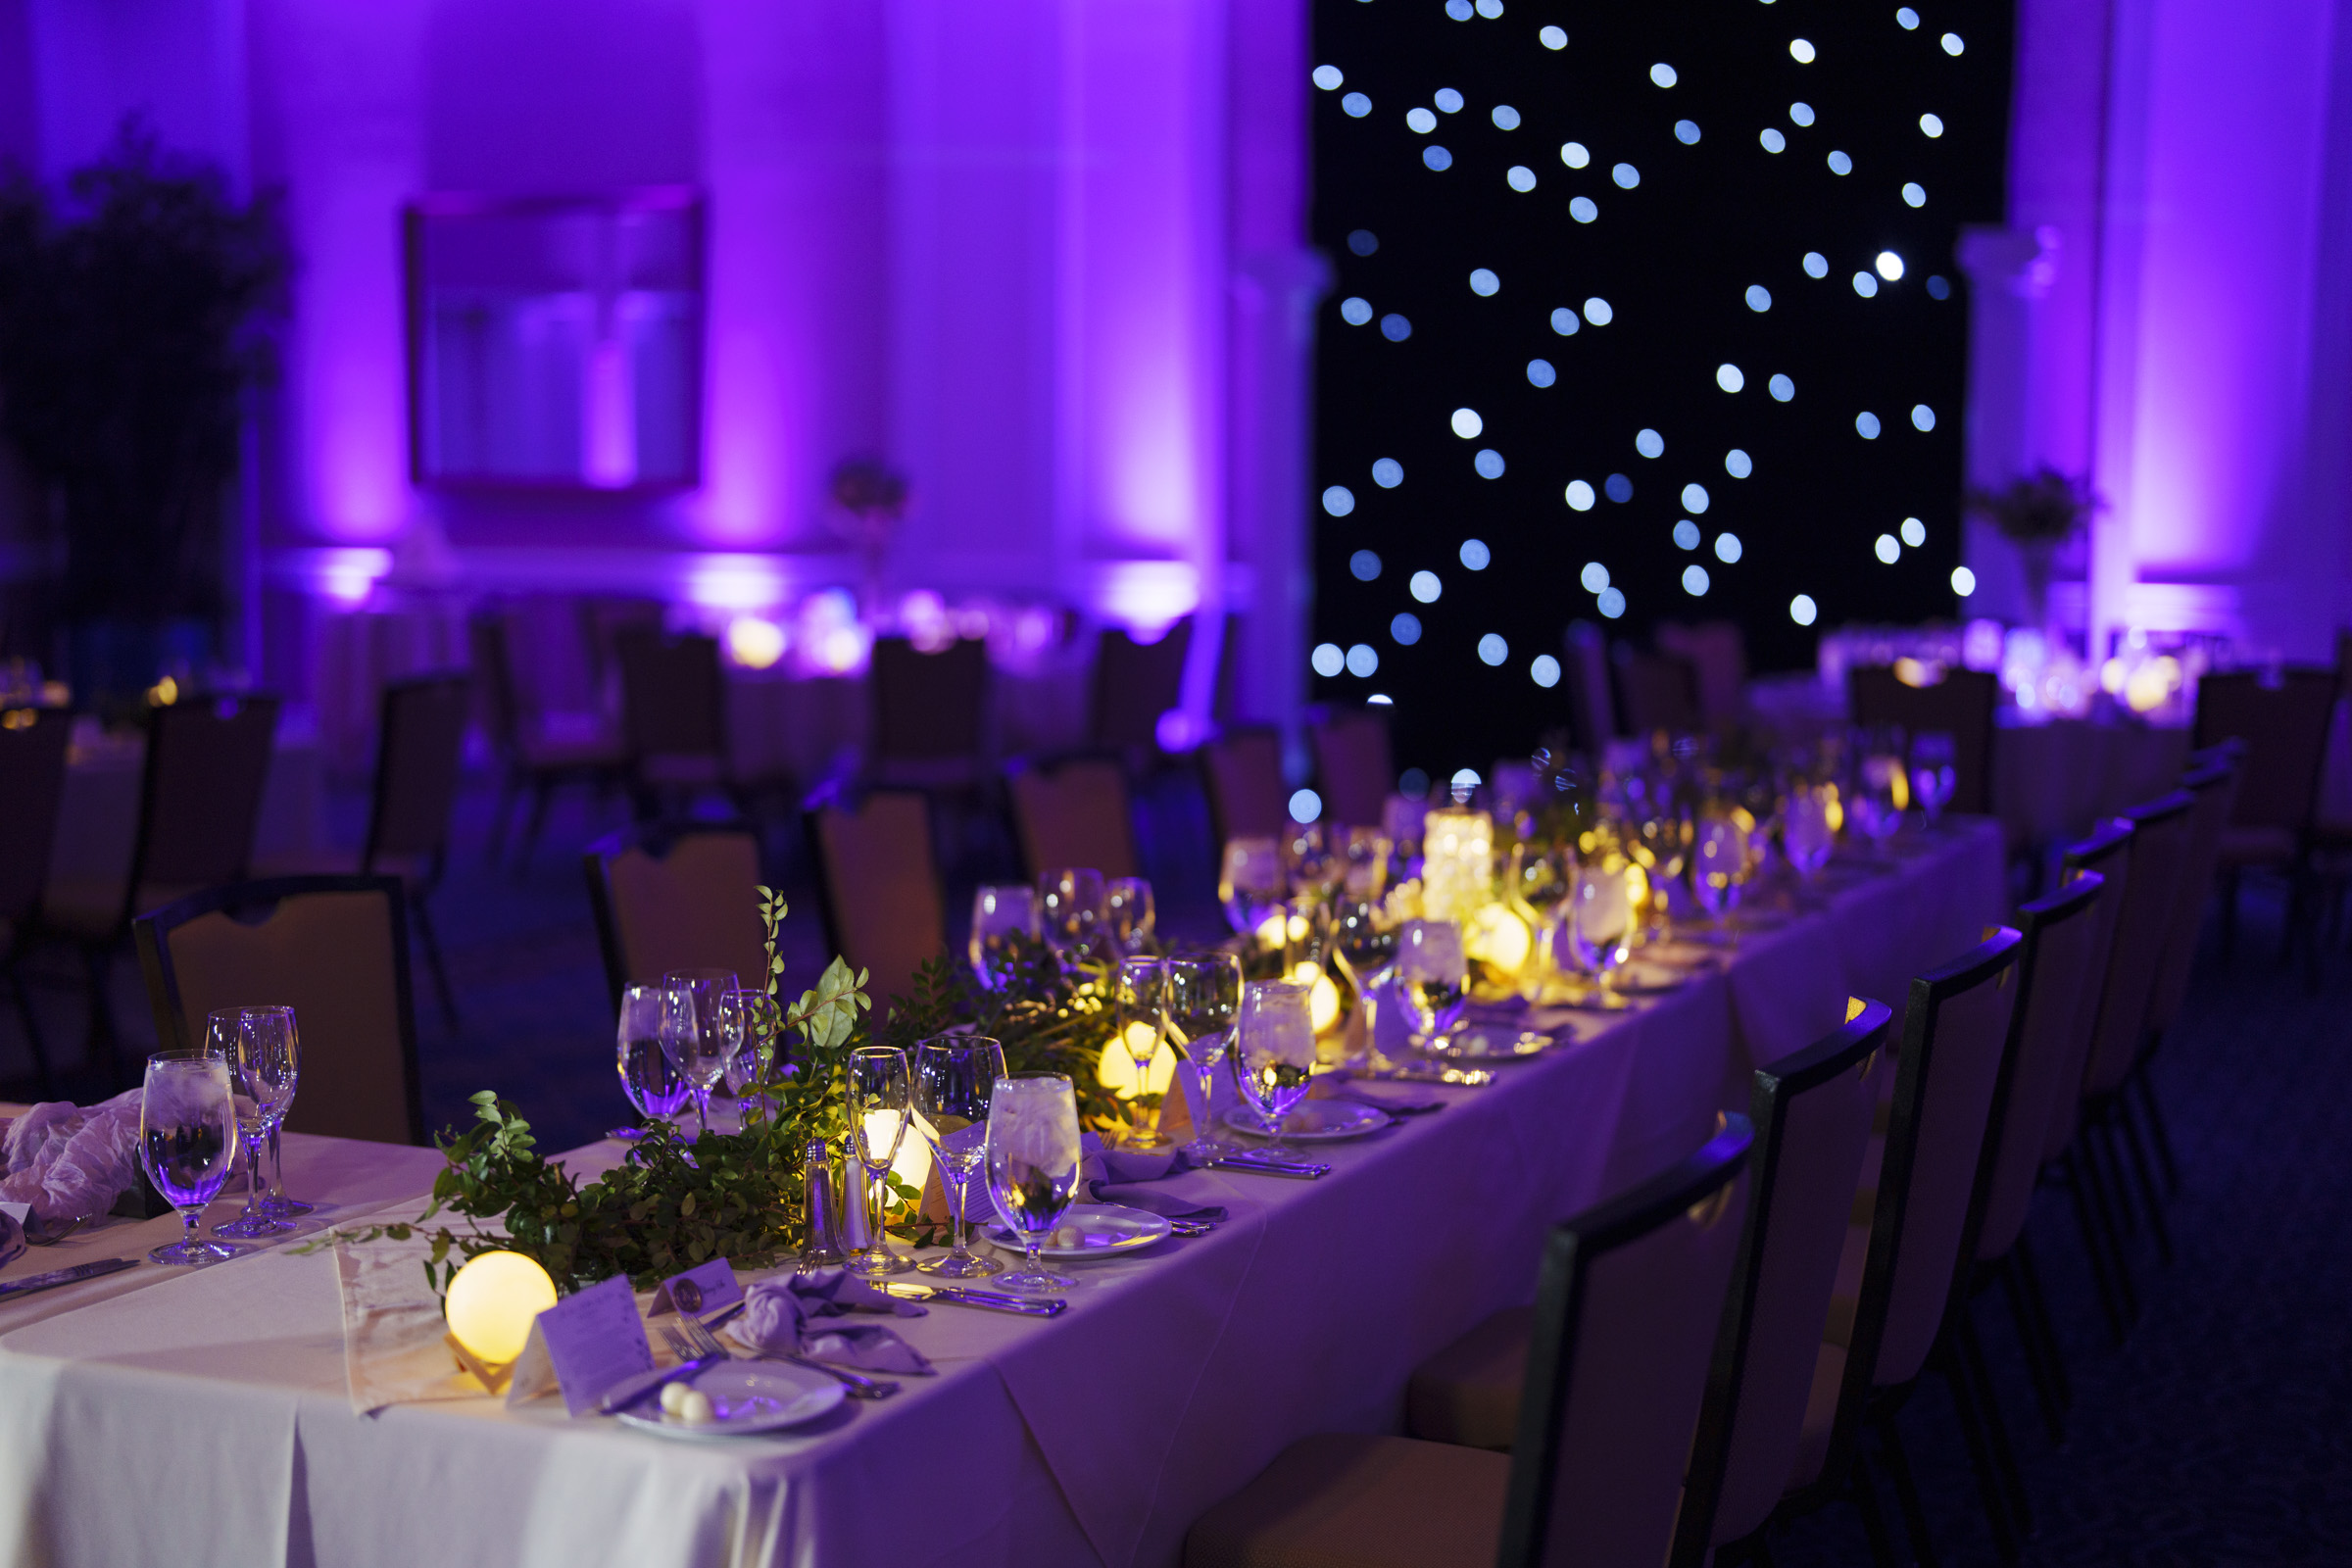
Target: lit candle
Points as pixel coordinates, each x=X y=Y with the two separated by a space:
x=1458 y=863
x=492 y=1302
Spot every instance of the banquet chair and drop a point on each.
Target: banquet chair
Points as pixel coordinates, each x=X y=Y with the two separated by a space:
x=1353 y=766
x=33 y=784
x=531 y=756
x=2212 y=787
x=1074 y=811
x=200 y=801
x=1961 y=704
x=1718 y=653
x=336 y=949
x=1592 y=701
x=928 y=720
x=1132 y=684
x=2107 y=854
x=1247 y=796
x=2285 y=730
x=1628 y=1301
x=673 y=718
x=878 y=887
x=421 y=743
x=1656 y=692
x=1903 y=1251
x=677 y=896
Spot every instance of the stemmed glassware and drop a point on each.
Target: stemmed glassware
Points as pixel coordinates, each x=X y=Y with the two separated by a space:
x=655 y=1088
x=1274 y=1053
x=1719 y=867
x=691 y=1037
x=1433 y=976
x=1071 y=908
x=955 y=1076
x=1597 y=924
x=1033 y=1156
x=749 y=1027
x=880 y=1098
x=1882 y=792
x=1807 y=836
x=1142 y=998
x=1935 y=773
x=1251 y=885
x=258 y=1047
x=1200 y=999
x=188 y=1136
x=999 y=913
x=1128 y=911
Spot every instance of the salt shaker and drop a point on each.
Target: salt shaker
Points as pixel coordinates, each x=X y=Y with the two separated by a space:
x=820 y=1203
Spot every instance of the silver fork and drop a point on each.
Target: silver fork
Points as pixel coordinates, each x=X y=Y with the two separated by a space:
x=704 y=1343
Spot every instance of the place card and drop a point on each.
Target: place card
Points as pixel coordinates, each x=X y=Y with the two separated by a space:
x=583 y=1345
x=701 y=1290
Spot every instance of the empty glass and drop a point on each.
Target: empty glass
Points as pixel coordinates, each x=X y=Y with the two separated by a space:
x=1070 y=911
x=749 y=1026
x=880 y=1095
x=655 y=1088
x=999 y=913
x=258 y=1046
x=1033 y=1158
x=955 y=1076
x=1141 y=995
x=1274 y=1053
x=1935 y=773
x=188 y=1145
x=1249 y=882
x=691 y=1036
x=1432 y=977
x=1127 y=904
x=1200 y=999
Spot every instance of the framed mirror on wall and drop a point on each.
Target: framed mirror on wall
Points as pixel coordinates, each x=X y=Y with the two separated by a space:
x=556 y=343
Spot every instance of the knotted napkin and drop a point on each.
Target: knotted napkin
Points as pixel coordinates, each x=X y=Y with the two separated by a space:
x=1103 y=1169
x=69 y=1163
x=797 y=1313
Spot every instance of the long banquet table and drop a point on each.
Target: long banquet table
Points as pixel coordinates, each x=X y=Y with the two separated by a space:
x=201 y=1417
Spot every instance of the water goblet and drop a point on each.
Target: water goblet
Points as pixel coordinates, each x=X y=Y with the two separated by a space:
x=1202 y=998
x=1274 y=1055
x=1140 y=994
x=1251 y=885
x=1128 y=911
x=1807 y=835
x=1033 y=1156
x=257 y=1045
x=656 y=1090
x=1935 y=773
x=1433 y=976
x=1719 y=869
x=1597 y=924
x=1070 y=908
x=1882 y=792
x=880 y=1098
x=955 y=1075
x=999 y=912
x=188 y=1138
x=691 y=1036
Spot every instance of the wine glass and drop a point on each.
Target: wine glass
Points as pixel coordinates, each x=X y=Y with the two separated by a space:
x=1249 y=882
x=1881 y=794
x=1433 y=975
x=188 y=1136
x=655 y=1088
x=1200 y=999
x=751 y=1025
x=256 y=1044
x=1807 y=834
x=1934 y=771
x=1127 y=904
x=1597 y=923
x=274 y=1202
x=953 y=1077
x=1274 y=1053
x=1142 y=996
x=999 y=913
x=1719 y=867
x=1071 y=908
x=691 y=1036
x=1313 y=864
x=879 y=1099
x=1368 y=857
x=1033 y=1158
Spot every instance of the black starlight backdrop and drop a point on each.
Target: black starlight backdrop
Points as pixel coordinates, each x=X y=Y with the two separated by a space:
x=1644 y=309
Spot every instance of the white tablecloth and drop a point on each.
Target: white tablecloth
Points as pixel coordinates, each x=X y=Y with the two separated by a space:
x=204 y=1418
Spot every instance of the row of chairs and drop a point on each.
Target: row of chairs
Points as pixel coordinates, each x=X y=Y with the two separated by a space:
x=1707 y=1353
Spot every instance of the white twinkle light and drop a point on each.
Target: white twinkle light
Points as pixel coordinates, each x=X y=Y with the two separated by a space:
x=1772 y=140
x=1816 y=265
x=1694 y=498
x=1964 y=582
x=1597 y=312
x=1448 y=99
x=1866 y=424
x=1891 y=267
x=1305 y=806
x=1580 y=496
x=1355 y=311
x=1840 y=164
x=1907 y=19
x=1649 y=443
x=1886 y=550
x=1626 y=175
x=1914 y=193
x=1915 y=532
x=1328 y=659
x=1520 y=178
x=1475 y=554
x=1492 y=650
x=1728 y=377
x=1483 y=284
x=1801 y=114
x=1662 y=73
x=1759 y=300
x=1420 y=120
x=1933 y=124
x=1803 y=610
x=1695 y=580
x=1564 y=321
x=1573 y=153
x=1737 y=463
x=1801 y=51
x=1388 y=473
x=1356 y=105
x=1362 y=662
x=1467 y=424
x=1425 y=587
x=1339 y=500
x=1923 y=418
x=1685 y=534
x=1545 y=671
x=1952 y=44
x=1553 y=38
x=1727 y=548
x=1505 y=118
x=1782 y=388
x=1610 y=601
x=1594 y=577
x=1584 y=209
x=1329 y=78
x=1866 y=285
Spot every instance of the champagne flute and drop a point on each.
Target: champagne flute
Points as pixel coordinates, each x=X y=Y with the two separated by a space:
x=188 y=1138
x=880 y=1098
x=690 y=1031
x=1142 y=996
x=1274 y=1055
x=1033 y=1157
x=955 y=1076
x=999 y=912
x=655 y=1088
x=1202 y=998
x=1071 y=908
x=1433 y=976
x=274 y=1202
x=1127 y=901
x=255 y=1045
x=1597 y=923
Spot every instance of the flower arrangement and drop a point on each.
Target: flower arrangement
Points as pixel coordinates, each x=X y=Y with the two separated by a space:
x=2044 y=508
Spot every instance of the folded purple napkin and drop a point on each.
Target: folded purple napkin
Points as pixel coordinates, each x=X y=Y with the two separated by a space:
x=69 y=1163
x=1108 y=1168
x=794 y=1312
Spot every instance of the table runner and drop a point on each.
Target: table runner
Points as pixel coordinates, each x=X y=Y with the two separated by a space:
x=1094 y=1437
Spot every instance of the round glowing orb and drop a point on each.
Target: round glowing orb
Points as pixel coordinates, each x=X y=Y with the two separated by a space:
x=1498 y=937
x=1322 y=996
x=492 y=1302
x=754 y=642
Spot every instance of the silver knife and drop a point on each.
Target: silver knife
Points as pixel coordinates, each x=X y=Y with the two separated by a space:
x=1270 y=1167
x=629 y=1391
x=961 y=1296
x=66 y=1276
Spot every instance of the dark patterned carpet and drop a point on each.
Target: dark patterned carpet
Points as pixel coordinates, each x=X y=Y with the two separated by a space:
x=2220 y=1434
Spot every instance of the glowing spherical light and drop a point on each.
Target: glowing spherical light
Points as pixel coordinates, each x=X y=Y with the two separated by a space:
x=492 y=1303
x=1490 y=8
x=1460 y=9
x=1728 y=377
x=1305 y=806
x=1885 y=549
x=1488 y=463
x=1889 y=266
x=1475 y=554
x=1362 y=662
x=1339 y=500
x=1404 y=629
x=1421 y=120
x=1520 y=177
x=1356 y=105
x=1685 y=534
x=1727 y=548
x=1329 y=659
x=1355 y=310
x=1952 y=44
x=1328 y=77
x=1467 y=424
x=1372 y=700
x=1552 y=38
x=1395 y=328
x=1540 y=374
x=1866 y=424
x=1484 y=283
x=754 y=642
x=1802 y=112
x=1388 y=473
x=1914 y=193
x=1937 y=288
x=1365 y=565
x=1610 y=601
x=1915 y=532
x=1737 y=463
x=1492 y=650
x=1923 y=418
x=1803 y=610
x=1425 y=587
x=1759 y=300
x=1505 y=118
x=1772 y=140
x=1466 y=779
x=1694 y=498
x=1580 y=496
x=1626 y=175
x=1782 y=388
x=1816 y=265
x=1907 y=19
x=1545 y=671
x=1573 y=153
x=1686 y=132
x=1695 y=580
x=1933 y=124
x=1448 y=99
x=1583 y=209
x=1801 y=51
x=1597 y=312
x=1964 y=582
x=1437 y=158
x=1662 y=73
x=1564 y=321
x=1618 y=488
x=1866 y=285
x=1362 y=241
x=1595 y=576
x=1840 y=164
x=1649 y=443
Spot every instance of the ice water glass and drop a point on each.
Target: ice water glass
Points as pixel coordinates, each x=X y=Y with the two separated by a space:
x=188 y=1139
x=1141 y=996
x=258 y=1046
x=1274 y=1053
x=691 y=1036
x=1597 y=923
x=1128 y=911
x=1432 y=977
x=879 y=1101
x=655 y=1088
x=1033 y=1157
x=1071 y=908
x=1200 y=1000
x=999 y=915
x=955 y=1077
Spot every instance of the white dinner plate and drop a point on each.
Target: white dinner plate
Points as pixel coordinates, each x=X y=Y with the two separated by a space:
x=749 y=1396
x=1316 y=1121
x=1091 y=1229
